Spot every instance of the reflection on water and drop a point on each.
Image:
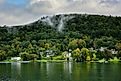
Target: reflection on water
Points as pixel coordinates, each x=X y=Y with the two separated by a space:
x=66 y=71
x=5 y=70
x=15 y=71
x=68 y=67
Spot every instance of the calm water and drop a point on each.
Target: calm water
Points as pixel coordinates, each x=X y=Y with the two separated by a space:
x=60 y=72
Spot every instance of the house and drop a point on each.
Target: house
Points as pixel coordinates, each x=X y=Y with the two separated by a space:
x=49 y=53
x=114 y=52
x=102 y=48
x=16 y=58
x=69 y=54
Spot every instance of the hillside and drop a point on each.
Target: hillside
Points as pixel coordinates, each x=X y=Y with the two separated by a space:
x=60 y=33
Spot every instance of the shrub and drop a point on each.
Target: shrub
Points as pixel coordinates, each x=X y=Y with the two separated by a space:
x=24 y=56
x=2 y=55
x=32 y=56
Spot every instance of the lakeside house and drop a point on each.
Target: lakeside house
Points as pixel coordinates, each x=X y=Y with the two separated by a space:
x=69 y=55
x=114 y=52
x=16 y=58
x=49 y=53
x=103 y=49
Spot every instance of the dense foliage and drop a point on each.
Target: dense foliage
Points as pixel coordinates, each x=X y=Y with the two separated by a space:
x=79 y=33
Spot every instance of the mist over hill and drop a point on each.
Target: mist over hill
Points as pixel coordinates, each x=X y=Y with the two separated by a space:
x=83 y=24
x=58 y=32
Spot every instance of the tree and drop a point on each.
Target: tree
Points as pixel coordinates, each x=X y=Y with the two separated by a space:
x=34 y=42
x=77 y=43
x=118 y=46
x=85 y=54
x=76 y=54
x=47 y=46
x=25 y=44
x=32 y=56
x=73 y=44
x=41 y=43
x=2 y=55
x=98 y=43
x=80 y=31
x=107 y=54
x=88 y=58
x=100 y=54
x=24 y=56
x=94 y=57
x=81 y=43
x=30 y=46
x=64 y=55
x=119 y=54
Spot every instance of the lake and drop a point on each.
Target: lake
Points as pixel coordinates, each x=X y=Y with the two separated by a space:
x=65 y=71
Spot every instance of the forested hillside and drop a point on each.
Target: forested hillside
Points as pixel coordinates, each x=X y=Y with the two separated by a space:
x=59 y=33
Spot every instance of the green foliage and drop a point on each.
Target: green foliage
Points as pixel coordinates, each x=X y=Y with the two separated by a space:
x=115 y=59
x=102 y=60
x=104 y=42
x=88 y=58
x=76 y=53
x=47 y=46
x=118 y=46
x=26 y=56
x=77 y=43
x=58 y=58
x=32 y=56
x=119 y=54
x=85 y=54
x=64 y=55
x=73 y=44
x=81 y=43
x=107 y=54
x=2 y=55
x=81 y=31
x=94 y=57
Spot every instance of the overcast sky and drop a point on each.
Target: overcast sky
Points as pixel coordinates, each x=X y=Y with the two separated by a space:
x=16 y=12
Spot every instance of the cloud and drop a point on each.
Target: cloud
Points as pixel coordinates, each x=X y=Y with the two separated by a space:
x=47 y=6
x=1 y=1
x=61 y=6
x=18 y=19
x=18 y=14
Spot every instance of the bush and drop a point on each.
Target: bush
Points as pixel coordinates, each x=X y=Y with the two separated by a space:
x=25 y=56
x=58 y=58
x=2 y=55
x=88 y=58
x=32 y=56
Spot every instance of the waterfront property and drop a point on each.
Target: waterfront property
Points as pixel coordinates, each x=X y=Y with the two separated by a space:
x=49 y=53
x=16 y=58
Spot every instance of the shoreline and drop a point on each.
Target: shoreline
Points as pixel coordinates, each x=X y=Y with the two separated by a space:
x=39 y=61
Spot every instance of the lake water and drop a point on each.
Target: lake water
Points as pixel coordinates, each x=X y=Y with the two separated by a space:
x=66 y=71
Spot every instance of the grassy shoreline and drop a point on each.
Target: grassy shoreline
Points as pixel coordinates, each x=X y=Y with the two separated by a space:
x=39 y=61
x=52 y=61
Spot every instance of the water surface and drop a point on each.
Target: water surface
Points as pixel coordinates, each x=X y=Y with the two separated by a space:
x=66 y=71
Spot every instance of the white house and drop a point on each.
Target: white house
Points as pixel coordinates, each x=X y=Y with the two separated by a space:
x=68 y=55
x=102 y=48
x=16 y=58
x=49 y=53
x=114 y=52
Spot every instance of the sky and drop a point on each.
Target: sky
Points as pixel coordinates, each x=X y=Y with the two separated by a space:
x=18 y=12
